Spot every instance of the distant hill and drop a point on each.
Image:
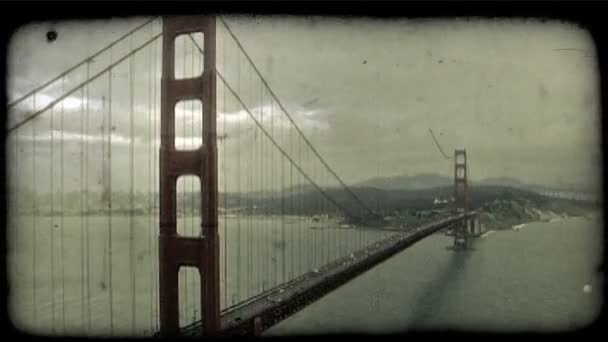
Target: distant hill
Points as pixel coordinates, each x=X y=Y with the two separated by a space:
x=433 y=180
x=517 y=184
x=417 y=182
x=384 y=201
x=503 y=181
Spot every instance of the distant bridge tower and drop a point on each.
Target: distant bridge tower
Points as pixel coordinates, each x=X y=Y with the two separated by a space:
x=469 y=227
x=460 y=181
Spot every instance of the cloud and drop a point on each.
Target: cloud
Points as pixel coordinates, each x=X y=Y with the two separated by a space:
x=70 y=104
x=57 y=137
x=501 y=90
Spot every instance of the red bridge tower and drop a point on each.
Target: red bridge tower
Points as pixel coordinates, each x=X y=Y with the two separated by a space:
x=469 y=227
x=177 y=251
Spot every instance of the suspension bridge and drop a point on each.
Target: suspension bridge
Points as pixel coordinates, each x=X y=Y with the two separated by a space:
x=161 y=187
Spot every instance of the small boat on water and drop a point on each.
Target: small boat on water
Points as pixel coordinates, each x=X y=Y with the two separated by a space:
x=315 y=222
x=484 y=235
x=518 y=227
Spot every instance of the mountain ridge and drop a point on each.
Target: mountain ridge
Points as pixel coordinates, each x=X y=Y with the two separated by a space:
x=434 y=180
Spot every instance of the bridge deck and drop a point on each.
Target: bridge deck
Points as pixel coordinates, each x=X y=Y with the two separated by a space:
x=277 y=304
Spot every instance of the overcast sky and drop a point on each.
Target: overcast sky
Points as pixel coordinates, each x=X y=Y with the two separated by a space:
x=521 y=96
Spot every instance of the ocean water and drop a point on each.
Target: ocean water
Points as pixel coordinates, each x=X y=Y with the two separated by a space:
x=531 y=279
x=76 y=276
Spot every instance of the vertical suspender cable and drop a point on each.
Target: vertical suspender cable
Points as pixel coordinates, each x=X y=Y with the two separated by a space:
x=17 y=206
x=225 y=186
x=301 y=198
x=291 y=209
x=62 y=216
x=82 y=214
x=315 y=207
x=238 y=185
x=258 y=268
x=150 y=185
x=52 y=225
x=256 y=192
x=251 y=190
x=283 y=245
x=261 y=197
x=86 y=200
x=111 y=291
x=131 y=181
x=16 y=195
x=273 y=204
x=155 y=178
x=264 y=229
x=311 y=204
x=34 y=219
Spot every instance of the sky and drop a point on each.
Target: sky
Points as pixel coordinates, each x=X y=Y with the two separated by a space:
x=521 y=96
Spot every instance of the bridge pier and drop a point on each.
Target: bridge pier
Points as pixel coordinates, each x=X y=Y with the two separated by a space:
x=475 y=226
x=480 y=229
x=465 y=231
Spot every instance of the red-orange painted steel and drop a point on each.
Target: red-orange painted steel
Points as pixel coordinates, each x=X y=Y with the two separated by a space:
x=460 y=180
x=176 y=251
x=464 y=229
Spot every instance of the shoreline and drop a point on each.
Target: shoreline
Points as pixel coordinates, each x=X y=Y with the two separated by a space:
x=523 y=224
